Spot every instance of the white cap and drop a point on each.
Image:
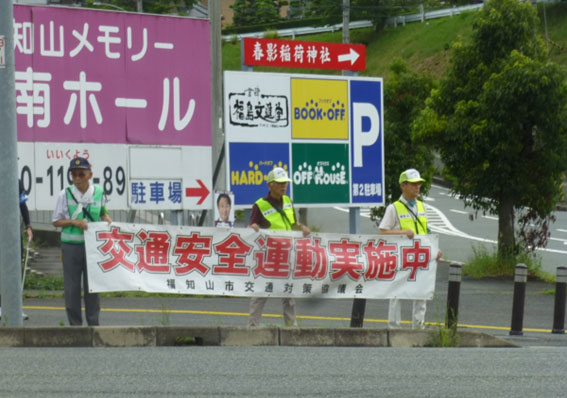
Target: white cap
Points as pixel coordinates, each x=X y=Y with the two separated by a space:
x=278 y=175
x=410 y=175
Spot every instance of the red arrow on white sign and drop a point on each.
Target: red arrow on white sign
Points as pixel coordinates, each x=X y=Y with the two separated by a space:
x=202 y=191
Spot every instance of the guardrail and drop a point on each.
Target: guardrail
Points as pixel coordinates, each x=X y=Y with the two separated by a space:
x=392 y=21
x=307 y=30
x=41 y=219
x=423 y=16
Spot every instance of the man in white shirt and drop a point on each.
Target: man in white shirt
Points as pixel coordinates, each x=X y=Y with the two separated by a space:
x=406 y=217
x=77 y=206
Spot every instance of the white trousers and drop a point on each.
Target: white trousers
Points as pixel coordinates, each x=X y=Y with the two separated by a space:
x=395 y=313
x=257 y=307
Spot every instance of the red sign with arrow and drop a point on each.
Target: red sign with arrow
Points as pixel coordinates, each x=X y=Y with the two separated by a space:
x=201 y=192
x=304 y=54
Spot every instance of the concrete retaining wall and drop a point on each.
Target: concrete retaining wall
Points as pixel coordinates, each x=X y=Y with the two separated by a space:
x=128 y=336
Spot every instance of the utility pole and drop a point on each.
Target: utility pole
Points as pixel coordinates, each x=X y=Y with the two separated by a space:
x=346 y=22
x=140 y=6
x=216 y=96
x=10 y=239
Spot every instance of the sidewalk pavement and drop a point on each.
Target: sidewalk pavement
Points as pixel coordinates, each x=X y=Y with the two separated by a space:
x=485 y=313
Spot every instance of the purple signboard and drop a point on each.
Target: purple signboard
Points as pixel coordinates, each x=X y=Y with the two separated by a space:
x=107 y=77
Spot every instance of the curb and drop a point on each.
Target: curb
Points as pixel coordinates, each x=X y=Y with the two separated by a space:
x=152 y=336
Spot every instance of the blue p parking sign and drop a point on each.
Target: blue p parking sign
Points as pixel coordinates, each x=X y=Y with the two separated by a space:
x=366 y=142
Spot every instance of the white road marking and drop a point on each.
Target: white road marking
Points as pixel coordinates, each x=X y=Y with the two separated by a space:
x=458 y=211
x=444 y=226
x=440 y=224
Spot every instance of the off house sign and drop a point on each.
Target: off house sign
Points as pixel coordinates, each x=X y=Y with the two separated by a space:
x=326 y=131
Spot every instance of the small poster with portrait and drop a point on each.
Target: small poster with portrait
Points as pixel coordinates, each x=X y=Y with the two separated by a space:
x=224 y=212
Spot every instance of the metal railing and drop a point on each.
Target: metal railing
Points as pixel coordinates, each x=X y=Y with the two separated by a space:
x=41 y=219
x=392 y=21
x=424 y=16
x=307 y=30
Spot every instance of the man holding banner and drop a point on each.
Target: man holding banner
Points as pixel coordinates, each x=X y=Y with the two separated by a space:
x=275 y=212
x=407 y=217
x=77 y=206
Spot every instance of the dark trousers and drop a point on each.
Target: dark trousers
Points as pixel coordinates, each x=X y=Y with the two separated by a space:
x=75 y=269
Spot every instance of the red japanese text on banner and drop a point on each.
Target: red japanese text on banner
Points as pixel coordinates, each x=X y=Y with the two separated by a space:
x=241 y=262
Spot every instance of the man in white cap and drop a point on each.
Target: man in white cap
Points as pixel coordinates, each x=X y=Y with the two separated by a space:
x=406 y=217
x=76 y=207
x=275 y=211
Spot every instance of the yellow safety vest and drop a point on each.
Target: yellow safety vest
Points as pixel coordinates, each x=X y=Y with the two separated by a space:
x=277 y=220
x=408 y=220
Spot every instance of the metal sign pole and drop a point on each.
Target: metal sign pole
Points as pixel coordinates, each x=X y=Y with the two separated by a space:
x=10 y=262
x=358 y=305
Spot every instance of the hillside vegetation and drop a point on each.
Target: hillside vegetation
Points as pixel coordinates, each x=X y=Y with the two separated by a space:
x=425 y=47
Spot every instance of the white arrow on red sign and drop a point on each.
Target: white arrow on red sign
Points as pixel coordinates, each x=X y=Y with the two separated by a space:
x=202 y=191
x=304 y=54
x=352 y=56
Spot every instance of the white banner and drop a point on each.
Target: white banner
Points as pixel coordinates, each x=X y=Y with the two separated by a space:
x=241 y=262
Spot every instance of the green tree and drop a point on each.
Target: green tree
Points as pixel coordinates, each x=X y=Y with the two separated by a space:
x=256 y=12
x=331 y=11
x=149 y=6
x=243 y=14
x=499 y=121
x=405 y=93
x=297 y=8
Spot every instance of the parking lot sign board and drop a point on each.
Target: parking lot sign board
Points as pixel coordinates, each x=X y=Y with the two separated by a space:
x=329 y=138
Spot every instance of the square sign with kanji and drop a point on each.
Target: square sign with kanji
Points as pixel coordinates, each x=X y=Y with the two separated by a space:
x=326 y=131
x=128 y=91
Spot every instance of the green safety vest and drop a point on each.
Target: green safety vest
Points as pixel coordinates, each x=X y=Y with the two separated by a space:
x=74 y=234
x=276 y=219
x=408 y=221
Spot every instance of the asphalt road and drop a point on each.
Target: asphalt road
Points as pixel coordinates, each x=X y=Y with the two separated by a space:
x=282 y=372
